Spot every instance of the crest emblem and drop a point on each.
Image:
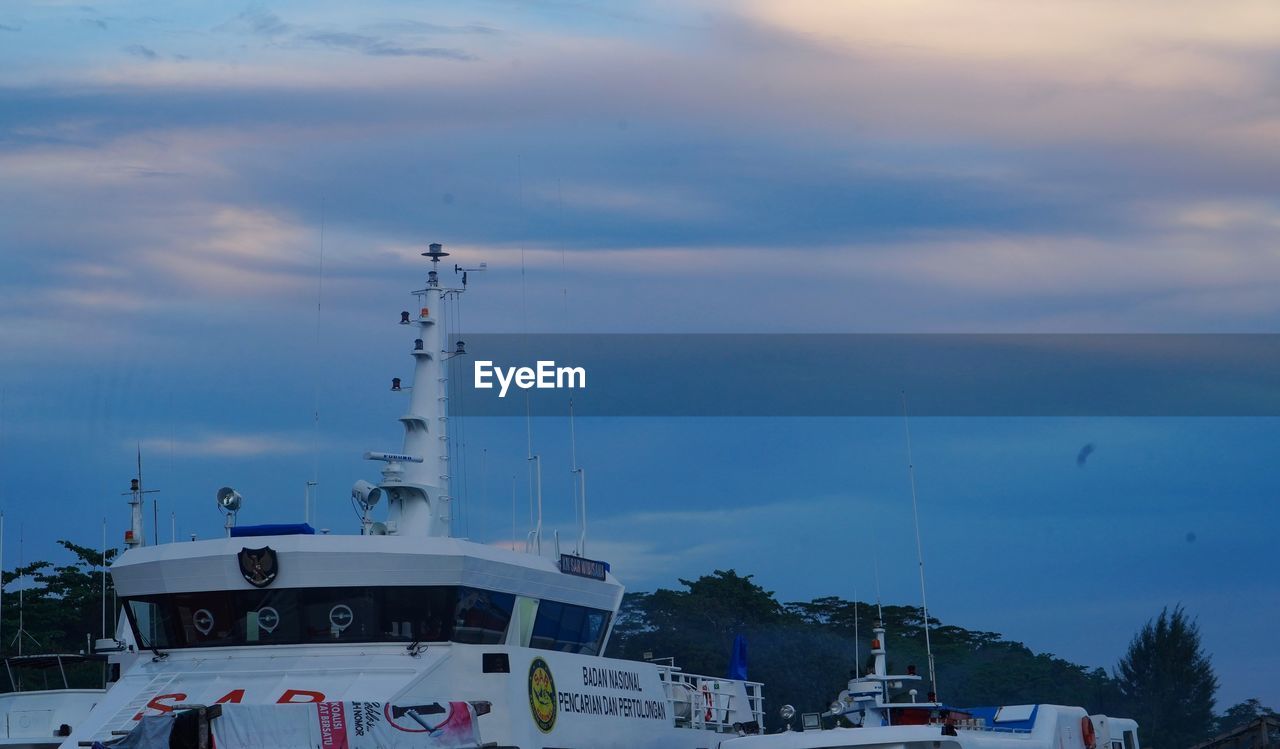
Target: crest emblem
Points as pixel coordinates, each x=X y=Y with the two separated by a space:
x=259 y=566
x=542 y=695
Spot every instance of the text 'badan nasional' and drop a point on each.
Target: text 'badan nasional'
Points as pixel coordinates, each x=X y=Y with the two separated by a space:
x=620 y=706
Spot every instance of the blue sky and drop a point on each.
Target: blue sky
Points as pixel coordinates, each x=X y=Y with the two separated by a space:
x=986 y=166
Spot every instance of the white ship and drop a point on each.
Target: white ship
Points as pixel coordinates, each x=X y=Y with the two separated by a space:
x=401 y=632
x=879 y=710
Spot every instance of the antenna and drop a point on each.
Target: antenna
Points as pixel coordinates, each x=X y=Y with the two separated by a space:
x=915 y=509
x=315 y=430
x=104 y=578
x=879 y=609
x=136 y=535
x=306 y=500
x=580 y=487
x=155 y=503
x=857 y=658
x=22 y=630
x=537 y=529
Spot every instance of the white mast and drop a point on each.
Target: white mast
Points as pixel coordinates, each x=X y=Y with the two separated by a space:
x=416 y=481
x=136 y=535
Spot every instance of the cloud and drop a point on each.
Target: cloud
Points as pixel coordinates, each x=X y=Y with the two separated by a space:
x=257 y=19
x=225 y=445
x=7 y=27
x=379 y=47
x=138 y=50
x=423 y=27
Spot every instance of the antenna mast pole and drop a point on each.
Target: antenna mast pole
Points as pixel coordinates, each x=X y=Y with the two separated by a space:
x=136 y=535
x=537 y=529
x=915 y=509
x=104 y=578
x=857 y=658
x=580 y=490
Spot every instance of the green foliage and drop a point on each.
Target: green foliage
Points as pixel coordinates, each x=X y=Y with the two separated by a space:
x=1242 y=714
x=59 y=607
x=804 y=652
x=1168 y=683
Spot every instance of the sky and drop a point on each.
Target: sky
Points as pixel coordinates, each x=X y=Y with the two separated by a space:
x=210 y=213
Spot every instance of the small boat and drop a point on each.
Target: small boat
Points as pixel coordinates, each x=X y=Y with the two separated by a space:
x=879 y=710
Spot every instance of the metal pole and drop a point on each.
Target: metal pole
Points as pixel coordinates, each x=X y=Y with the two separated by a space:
x=915 y=509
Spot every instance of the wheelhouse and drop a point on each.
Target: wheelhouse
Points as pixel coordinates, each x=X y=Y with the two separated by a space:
x=427 y=591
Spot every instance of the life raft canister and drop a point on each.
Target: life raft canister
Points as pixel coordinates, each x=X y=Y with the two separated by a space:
x=1086 y=732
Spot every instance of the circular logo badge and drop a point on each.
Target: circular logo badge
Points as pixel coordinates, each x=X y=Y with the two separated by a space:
x=542 y=695
x=203 y=621
x=268 y=619
x=340 y=617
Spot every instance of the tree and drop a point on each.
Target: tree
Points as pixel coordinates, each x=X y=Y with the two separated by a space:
x=805 y=651
x=1168 y=683
x=59 y=606
x=1242 y=714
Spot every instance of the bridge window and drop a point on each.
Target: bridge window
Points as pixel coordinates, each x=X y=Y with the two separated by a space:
x=481 y=616
x=569 y=628
x=319 y=615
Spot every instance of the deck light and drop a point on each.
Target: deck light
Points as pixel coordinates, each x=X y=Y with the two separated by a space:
x=417 y=344
x=395 y=383
x=404 y=317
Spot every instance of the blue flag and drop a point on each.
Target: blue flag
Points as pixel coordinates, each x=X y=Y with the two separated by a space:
x=738 y=659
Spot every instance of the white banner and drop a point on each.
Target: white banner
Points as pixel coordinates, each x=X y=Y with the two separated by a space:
x=347 y=725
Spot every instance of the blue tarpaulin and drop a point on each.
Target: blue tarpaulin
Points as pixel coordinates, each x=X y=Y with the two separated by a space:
x=276 y=529
x=738 y=659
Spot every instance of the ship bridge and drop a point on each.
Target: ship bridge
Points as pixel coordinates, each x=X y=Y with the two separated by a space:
x=348 y=589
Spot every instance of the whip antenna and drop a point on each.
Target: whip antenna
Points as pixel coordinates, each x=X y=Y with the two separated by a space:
x=857 y=659
x=915 y=509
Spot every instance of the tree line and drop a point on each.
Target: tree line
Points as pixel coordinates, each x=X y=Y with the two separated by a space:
x=802 y=651
x=805 y=651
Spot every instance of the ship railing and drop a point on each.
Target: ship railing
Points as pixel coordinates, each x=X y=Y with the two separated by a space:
x=710 y=703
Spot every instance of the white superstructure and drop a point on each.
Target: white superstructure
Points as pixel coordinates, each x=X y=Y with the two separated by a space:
x=402 y=616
